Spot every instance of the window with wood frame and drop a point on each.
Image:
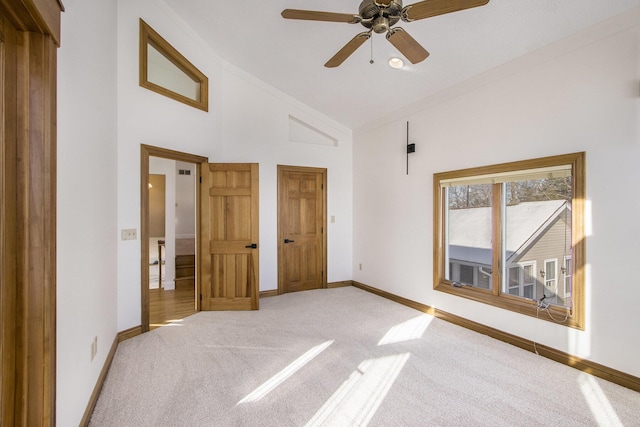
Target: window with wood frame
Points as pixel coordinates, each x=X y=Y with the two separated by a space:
x=165 y=71
x=513 y=235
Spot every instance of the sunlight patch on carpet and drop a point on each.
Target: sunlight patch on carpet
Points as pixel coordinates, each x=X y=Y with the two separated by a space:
x=287 y=372
x=358 y=398
x=172 y=322
x=412 y=329
x=598 y=403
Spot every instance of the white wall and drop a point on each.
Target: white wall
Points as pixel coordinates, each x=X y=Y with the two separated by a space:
x=86 y=219
x=247 y=122
x=582 y=94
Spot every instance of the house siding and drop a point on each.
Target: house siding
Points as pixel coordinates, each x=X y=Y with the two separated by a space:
x=555 y=243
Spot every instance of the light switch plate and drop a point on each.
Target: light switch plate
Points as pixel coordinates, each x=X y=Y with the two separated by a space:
x=128 y=234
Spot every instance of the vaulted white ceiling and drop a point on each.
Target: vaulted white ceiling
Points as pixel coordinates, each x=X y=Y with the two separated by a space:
x=290 y=54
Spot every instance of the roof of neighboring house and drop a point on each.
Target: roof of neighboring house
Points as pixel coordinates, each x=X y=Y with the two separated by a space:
x=470 y=229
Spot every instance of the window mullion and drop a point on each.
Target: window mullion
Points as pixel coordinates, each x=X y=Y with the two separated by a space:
x=496 y=238
x=441 y=264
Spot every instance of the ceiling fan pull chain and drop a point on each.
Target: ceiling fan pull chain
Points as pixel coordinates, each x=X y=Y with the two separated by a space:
x=371 y=61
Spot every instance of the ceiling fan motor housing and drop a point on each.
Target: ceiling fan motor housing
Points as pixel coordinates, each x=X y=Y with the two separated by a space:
x=380 y=18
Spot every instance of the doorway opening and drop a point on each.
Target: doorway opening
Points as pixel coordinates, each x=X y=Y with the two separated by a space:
x=169 y=228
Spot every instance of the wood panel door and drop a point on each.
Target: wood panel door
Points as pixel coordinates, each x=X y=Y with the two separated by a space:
x=301 y=225
x=229 y=236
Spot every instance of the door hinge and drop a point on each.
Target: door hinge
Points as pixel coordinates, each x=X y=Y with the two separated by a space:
x=200 y=297
x=200 y=180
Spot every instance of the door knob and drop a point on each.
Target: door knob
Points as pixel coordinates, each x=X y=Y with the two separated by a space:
x=288 y=241
x=252 y=246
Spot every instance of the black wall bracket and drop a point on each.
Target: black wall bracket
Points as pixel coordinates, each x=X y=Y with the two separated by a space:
x=411 y=148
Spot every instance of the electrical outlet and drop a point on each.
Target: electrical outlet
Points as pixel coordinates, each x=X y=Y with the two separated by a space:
x=94 y=347
x=128 y=234
x=360 y=266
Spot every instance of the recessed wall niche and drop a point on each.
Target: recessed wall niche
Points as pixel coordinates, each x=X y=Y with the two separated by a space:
x=302 y=132
x=165 y=71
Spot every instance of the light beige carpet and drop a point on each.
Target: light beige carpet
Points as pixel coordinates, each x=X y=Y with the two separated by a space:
x=345 y=357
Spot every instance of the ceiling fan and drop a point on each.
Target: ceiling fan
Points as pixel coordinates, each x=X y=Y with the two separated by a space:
x=380 y=16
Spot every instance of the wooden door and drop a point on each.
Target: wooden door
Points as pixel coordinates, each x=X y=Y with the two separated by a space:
x=301 y=224
x=229 y=236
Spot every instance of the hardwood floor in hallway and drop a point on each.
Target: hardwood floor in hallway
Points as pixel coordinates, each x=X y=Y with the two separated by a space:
x=168 y=307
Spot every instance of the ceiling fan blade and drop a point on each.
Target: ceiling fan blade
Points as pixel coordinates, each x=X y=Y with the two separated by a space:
x=407 y=45
x=311 y=15
x=429 y=8
x=348 y=49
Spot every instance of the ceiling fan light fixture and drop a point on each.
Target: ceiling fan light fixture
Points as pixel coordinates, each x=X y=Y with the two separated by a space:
x=396 y=63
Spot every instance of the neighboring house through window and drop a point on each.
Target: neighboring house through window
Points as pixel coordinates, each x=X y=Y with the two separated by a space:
x=522 y=280
x=551 y=279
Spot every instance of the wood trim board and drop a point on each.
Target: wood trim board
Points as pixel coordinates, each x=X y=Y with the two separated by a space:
x=93 y=400
x=331 y=285
x=129 y=333
x=28 y=163
x=269 y=293
x=341 y=284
